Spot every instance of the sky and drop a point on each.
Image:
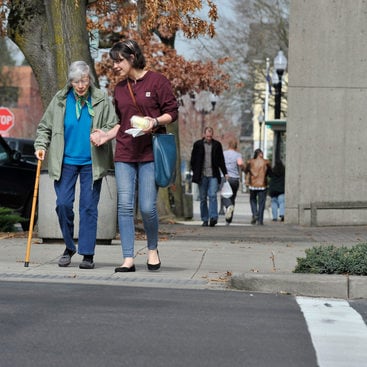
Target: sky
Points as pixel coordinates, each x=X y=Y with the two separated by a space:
x=187 y=47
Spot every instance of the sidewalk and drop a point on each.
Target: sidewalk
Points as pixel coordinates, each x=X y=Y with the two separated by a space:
x=240 y=256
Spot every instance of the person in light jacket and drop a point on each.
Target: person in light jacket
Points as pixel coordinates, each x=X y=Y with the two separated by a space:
x=63 y=134
x=258 y=168
x=234 y=165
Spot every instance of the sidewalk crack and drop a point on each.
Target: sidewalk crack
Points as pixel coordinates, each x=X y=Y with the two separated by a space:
x=200 y=263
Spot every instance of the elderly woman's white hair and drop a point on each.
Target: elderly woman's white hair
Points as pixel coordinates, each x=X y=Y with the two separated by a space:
x=78 y=70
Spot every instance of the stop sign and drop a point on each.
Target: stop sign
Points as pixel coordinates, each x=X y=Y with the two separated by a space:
x=6 y=119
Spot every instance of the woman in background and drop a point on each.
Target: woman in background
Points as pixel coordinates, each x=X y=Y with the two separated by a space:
x=276 y=190
x=234 y=164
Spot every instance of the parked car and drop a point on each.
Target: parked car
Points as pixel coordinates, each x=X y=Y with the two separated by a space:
x=17 y=179
x=24 y=146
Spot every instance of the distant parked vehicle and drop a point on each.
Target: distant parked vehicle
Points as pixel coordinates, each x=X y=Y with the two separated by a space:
x=24 y=146
x=17 y=179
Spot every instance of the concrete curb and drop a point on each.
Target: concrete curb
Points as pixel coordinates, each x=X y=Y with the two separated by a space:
x=313 y=285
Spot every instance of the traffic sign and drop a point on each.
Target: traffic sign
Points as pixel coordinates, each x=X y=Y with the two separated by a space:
x=6 y=119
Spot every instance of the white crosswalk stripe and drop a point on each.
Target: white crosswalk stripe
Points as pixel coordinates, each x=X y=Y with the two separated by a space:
x=338 y=332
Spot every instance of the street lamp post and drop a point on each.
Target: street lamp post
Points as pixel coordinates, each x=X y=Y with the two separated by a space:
x=280 y=64
x=203 y=110
x=266 y=107
x=260 y=119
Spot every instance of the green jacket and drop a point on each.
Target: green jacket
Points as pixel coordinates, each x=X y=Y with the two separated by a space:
x=50 y=132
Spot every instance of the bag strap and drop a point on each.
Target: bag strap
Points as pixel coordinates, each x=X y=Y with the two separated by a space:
x=133 y=97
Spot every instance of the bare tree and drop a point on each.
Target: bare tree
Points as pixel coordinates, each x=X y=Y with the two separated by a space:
x=258 y=29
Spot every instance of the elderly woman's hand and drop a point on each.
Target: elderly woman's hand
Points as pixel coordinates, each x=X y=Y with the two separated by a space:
x=98 y=137
x=40 y=154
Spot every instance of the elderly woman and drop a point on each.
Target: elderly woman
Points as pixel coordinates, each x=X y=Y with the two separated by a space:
x=64 y=133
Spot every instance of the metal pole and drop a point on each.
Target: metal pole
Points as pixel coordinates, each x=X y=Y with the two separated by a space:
x=266 y=108
x=277 y=114
x=202 y=120
x=260 y=124
x=278 y=96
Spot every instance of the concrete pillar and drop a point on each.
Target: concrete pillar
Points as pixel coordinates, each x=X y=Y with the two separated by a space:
x=327 y=95
x=48 y=225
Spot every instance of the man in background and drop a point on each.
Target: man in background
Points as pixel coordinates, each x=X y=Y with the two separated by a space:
x=207 y=160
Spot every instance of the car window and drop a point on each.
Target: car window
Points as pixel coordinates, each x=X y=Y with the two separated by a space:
x=3 y=154
x=12 y=144
x=28 y=149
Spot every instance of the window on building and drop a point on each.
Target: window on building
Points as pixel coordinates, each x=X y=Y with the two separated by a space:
x=9 y=96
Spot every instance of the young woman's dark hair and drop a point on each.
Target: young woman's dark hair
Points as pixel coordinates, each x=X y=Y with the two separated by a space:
x=130 y=51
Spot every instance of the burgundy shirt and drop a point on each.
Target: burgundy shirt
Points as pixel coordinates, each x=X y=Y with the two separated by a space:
x=154 y=96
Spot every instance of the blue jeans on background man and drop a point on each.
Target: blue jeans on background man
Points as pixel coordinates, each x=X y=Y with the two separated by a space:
x=257 y=203
x=88 y=206
x=208 y=188
x=277 y=202
x=127 y=175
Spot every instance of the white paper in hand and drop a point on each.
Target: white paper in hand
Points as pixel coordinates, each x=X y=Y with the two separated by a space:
x=135 y=132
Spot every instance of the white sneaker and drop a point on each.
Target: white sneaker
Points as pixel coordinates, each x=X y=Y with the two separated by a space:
x=229 y=212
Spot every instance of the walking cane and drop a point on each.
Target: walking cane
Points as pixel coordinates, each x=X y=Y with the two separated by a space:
x=34 y=202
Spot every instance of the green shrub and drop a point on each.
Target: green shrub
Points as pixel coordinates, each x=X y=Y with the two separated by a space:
x=8 y=220
x=334 y=260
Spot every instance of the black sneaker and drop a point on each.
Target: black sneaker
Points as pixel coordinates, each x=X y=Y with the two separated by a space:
x=205 y=224
x=87 y=262
x=65 y=259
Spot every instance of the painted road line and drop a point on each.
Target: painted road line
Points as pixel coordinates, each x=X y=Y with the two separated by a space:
x=338 y=332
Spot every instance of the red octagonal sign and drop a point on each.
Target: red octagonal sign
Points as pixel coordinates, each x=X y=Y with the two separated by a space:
x=6 y=119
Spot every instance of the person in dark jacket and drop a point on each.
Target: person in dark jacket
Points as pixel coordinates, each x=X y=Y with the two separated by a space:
x=276 y=190
x=207 y=160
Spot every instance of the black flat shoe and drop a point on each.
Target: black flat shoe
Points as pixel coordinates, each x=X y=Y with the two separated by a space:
x=125 y=269
x=154 y=267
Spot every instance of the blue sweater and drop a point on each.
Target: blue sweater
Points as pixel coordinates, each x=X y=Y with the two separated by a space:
x=77 y=133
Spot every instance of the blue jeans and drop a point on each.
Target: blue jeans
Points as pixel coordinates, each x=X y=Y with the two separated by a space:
x=88 y=206
x=257 y=203
x=277 y=202
x=208 y=187
x=127 y=176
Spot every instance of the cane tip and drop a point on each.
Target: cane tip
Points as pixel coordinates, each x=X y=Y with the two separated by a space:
x=26 y=264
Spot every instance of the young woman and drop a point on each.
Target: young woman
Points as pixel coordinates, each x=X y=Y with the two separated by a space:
x=148 y=94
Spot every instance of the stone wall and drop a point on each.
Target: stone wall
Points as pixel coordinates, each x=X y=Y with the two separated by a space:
x=327 y=101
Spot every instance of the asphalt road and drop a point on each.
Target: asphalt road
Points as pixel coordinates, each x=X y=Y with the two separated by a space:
x=44 y=324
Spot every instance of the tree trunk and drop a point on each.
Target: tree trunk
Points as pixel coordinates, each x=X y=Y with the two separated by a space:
x=51 y=35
